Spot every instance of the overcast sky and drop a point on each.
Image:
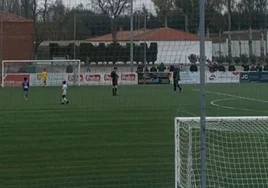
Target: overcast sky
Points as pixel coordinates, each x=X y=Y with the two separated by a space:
x=137 y=4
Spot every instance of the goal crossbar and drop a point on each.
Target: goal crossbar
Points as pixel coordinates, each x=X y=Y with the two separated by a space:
x=182 y=121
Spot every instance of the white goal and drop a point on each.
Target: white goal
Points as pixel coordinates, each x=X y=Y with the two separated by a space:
x=14 y=71
x=236 y=152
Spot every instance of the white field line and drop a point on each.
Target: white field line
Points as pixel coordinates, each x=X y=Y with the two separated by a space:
x=234 y=96
x=214 y=103
x=180 y=109
x=44 y=110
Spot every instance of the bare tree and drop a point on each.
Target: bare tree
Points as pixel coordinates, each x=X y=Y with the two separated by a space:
x=229 y=9
x=164 y=9
x=113 y=8
x=44 y=10
x=25 y=6
x=12 y=6
x=249 y=6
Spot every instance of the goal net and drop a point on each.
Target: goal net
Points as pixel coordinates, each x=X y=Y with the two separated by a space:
x=14 y=71
x=236 y=152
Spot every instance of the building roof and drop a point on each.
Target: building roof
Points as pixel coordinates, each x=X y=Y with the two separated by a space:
x=8 y=17
x=159 y=34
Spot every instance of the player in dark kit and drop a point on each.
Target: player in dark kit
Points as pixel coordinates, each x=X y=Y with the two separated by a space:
x=176 y=79
x=114 y=77
x=25 y=87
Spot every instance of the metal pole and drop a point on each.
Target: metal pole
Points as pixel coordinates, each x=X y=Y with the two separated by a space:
x=220 y=43
x=74 y=36
x=145 y=27
x=2 y=32
x=202 y=93
x=131 y=36
x=266 y=44
x=186 y=22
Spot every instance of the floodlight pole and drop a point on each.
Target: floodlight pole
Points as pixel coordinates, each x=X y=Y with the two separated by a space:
x=131 y=36
x=202 y=93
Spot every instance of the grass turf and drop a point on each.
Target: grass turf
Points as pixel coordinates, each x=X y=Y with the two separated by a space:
x=103 y=141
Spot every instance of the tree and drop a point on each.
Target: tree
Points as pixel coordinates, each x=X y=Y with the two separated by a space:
x=164 y=8
x=229 y=10
x=12 y=6
x=113 y=8
x=249 y=6
x=44 y=10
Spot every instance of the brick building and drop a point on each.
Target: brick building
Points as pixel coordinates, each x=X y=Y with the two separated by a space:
x=17 y=37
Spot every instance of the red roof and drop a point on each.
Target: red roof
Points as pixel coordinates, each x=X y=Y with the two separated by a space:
x=159 y=34
x=8 y=17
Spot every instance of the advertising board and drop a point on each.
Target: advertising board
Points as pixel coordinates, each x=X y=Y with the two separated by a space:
x=154 y=78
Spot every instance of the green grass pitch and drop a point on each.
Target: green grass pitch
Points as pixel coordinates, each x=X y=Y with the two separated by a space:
x=102 y=141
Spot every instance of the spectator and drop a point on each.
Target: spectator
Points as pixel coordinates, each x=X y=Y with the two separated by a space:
x=265 y=68
x=88 y=69
x=193 y=67
x=171 y=68
x=222 y=68
x=140 y=68
x=253 y=68
x=245 y=67
x=212 y=66
x=161 y=67
x=231 y=68
x=146 y=69
x=259 y=67
x=153 y=69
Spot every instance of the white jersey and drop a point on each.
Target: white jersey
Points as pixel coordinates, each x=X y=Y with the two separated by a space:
x=64 y=89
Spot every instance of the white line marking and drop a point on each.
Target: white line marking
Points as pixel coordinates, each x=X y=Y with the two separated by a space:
x=214 y=103
x=234 y=96
x=180 y=109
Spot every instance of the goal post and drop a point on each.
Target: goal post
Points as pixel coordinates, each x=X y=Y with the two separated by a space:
x=236 y=152
x=13 y=72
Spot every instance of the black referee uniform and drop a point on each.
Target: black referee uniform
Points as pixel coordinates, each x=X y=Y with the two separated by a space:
x=176 y=79
x=114 y=77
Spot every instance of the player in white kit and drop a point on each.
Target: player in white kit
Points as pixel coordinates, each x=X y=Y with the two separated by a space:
x=64 y=93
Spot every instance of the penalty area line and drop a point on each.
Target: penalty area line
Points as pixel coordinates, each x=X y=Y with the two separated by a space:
x=234 y=96
x=214 y=103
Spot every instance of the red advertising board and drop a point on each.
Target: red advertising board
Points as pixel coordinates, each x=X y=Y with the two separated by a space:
x=128 y=77
x=93 y=77
x=107 y=77
x=15 y=80
x=71 y=78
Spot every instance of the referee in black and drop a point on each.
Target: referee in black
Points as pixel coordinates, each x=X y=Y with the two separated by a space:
x=114 y=77
x=176 y=79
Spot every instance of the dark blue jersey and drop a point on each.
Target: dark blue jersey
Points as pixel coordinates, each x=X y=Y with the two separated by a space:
x=25 y=85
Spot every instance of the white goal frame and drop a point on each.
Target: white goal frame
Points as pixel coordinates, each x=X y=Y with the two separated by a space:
x=4 y=62
x=179 y=120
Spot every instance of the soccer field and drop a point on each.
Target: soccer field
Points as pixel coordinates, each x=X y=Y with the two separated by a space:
x=102 y=141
